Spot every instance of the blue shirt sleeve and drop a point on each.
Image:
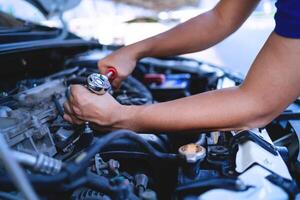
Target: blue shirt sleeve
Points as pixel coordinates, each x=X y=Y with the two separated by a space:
x=287 y=18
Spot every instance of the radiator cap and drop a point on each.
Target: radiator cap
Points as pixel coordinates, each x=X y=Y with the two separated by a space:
x=192 y=152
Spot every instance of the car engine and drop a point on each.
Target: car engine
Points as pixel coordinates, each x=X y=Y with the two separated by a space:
x=85 y=162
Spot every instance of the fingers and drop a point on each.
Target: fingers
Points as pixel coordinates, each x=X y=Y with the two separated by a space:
x=67 y=108
x=73 y=113
x=77 y=92
x=72 y=119
x=116 y=83
x=70 y=115
x=102 y=67
x=68 y=118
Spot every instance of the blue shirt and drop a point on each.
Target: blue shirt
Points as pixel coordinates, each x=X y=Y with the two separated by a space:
x=287 y=18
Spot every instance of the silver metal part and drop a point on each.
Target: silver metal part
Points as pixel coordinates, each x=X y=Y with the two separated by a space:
x=4 y=110
x=109 y=74
x=40 y=163
x=28 y=131
x=98 y=83
x=36 y=95
x=16 y=171
x=27 y=127
x=202 y=139
x=192 y=152
x=87 y=128
x=214 y=137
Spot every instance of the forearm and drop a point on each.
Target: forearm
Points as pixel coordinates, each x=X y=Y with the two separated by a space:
x=194 y=35
x=198 y=33
x=222 y=109
x=270 y=86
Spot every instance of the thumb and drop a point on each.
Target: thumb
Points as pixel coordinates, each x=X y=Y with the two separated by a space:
x=102 y=68
x=116 y=83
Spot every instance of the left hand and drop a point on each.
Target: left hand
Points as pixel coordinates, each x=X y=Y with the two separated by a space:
x=84 y=105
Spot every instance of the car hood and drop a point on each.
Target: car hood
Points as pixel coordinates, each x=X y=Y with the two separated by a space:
x=53 y=7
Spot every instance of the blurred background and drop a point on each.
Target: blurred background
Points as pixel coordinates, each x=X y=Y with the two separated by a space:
x=123 y=22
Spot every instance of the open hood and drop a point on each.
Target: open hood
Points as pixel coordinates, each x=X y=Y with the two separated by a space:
x=54 y=7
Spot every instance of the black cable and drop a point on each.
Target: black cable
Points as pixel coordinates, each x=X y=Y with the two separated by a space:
x=74 y=169
x=82 y=160
x=117 y=192
x=80 y=182
x=225 y=183
x=8 y=196
x=100 y=184
x=57 y=105
x=95 y=182
x=128 y=154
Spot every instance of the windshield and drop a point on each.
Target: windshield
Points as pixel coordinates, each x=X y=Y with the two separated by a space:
x=22 y=9
x=7 y=21
x=13 y=30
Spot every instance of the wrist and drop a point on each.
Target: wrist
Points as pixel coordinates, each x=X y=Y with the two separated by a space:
x=140 y=49
x=126 y=118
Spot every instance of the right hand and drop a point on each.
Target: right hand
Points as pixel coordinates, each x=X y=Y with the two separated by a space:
x=123 y=60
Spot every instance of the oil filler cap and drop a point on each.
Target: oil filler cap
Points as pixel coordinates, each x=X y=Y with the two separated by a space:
x=192 y=152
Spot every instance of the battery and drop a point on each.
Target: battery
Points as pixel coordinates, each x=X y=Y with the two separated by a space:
x=173 y=87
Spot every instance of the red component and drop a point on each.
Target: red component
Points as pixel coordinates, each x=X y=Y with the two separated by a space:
x=111 y=73
x=154 y=78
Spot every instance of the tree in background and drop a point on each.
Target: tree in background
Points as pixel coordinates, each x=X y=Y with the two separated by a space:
x=159 y=4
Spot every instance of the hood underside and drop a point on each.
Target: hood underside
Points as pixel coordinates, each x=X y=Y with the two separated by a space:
x=53 y=7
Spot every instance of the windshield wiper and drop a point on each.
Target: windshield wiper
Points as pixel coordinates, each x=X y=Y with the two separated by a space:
x=5 y=30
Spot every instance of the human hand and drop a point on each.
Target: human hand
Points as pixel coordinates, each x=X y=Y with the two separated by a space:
x=123 y=60
x=83 y=105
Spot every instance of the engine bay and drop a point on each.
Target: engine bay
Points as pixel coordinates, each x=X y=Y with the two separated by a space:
x=65 y=161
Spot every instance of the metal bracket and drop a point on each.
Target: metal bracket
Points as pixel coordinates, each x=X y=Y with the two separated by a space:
x=295 y=115
x=247 y=135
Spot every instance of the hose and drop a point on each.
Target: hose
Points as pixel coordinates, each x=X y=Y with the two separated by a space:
x=224 y=183
x=59 y=108
x=16 y=171
x=40 y=163
x=82 y=161
x=100 y=184
x=8 y=196
x=95 y=182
